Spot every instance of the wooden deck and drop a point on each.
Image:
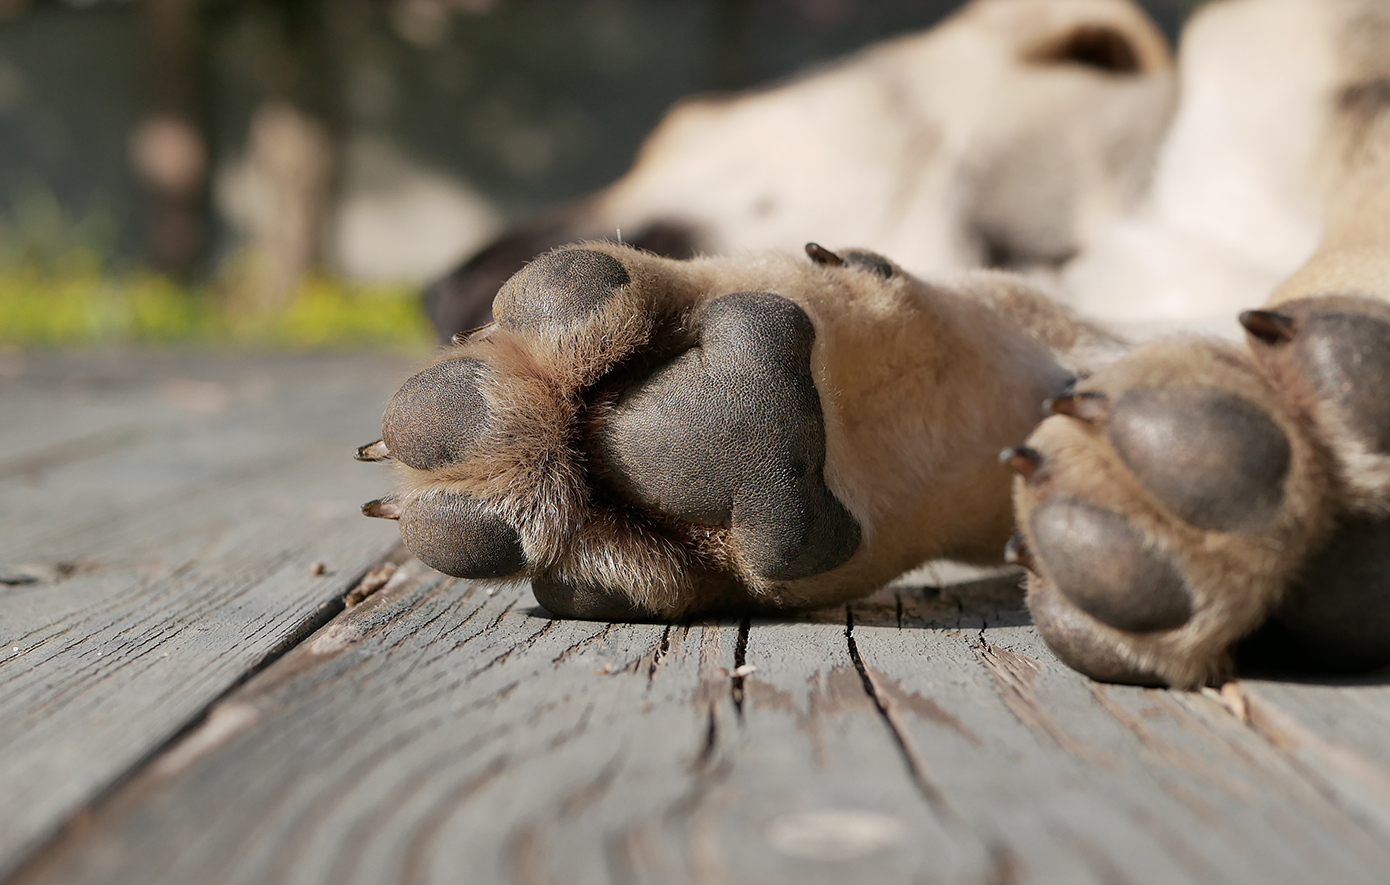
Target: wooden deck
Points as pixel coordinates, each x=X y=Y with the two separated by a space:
x=184 y=699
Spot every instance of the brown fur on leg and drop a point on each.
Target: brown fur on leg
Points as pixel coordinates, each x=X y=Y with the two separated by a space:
x=912 y=387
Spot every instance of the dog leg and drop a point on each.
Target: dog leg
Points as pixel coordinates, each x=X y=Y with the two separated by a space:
x=649 y=438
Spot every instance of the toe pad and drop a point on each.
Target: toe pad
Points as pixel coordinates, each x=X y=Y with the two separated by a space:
x=436 y=416
x=559 y=291
x=1216 y=460
x=1101 y=564
x=459 y=536
x=1347 y=357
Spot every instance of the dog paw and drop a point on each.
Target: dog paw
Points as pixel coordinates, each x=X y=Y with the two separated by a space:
x=1330 y=355
x=643 y=437
x=1163 y=509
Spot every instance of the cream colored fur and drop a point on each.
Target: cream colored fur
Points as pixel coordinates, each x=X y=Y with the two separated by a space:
x=918 y=146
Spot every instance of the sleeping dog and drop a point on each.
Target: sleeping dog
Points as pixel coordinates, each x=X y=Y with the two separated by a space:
x=701 y=420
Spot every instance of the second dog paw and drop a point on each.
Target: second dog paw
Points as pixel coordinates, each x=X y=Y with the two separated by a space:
x=1163 y=509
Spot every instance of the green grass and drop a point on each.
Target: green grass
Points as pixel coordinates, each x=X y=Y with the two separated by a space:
x=75 y=303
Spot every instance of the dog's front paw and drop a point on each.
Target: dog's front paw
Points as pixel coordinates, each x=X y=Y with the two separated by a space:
x=651 y=438
x=1163 y=509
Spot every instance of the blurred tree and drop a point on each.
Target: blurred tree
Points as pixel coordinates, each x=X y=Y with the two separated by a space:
x=167 y=146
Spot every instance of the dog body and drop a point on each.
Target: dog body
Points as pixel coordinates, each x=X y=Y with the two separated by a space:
x=649 y=437
x=940 y=147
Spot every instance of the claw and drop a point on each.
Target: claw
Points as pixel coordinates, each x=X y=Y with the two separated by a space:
x=821 y=255
x=1088 y=406
x=1269 y=326
x=1016 y=552
x=1023 y=460
x=461 y=337
x=382 y=508
x=375 y=451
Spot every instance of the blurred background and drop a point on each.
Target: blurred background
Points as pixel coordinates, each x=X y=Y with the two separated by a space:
x=291 y=172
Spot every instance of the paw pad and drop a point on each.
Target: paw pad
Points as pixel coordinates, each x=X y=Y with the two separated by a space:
x=559 y=291
x=570 y=599
x=1331 y=354
x=626 y=436
x=731 y=434
x=1214 y=459
x=437 y=415
x=459 y=536
x=1102 y=564
x=1164 y=506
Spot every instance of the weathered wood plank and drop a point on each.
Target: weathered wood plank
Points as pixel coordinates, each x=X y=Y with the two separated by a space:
x=167 y=508
x=436 y=729
x=1335 y=733
x=1086 y=782
x=437 y=732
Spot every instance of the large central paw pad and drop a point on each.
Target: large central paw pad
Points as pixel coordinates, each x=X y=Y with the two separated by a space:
x=634 y=441
x=730 y=433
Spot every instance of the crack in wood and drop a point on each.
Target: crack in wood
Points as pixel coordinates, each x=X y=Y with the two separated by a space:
x=371 y=582
x=736 y=687
x=571 y=650
x=511 y=650
x=672 y=635
x=916 y=769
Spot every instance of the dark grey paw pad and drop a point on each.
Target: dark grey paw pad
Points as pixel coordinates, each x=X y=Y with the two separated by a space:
x=1341 y=345
x=1347 y=358
x=731 y=433
x=559 y=290
x=588 y=603
x=868 y=261
x=436 y=416
x=1102 y=565
x=1216 y=460
x=1076 y=643
x=459 y=536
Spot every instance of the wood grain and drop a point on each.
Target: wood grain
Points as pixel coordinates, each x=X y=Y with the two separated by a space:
x=437 y=732
x=158 y=517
